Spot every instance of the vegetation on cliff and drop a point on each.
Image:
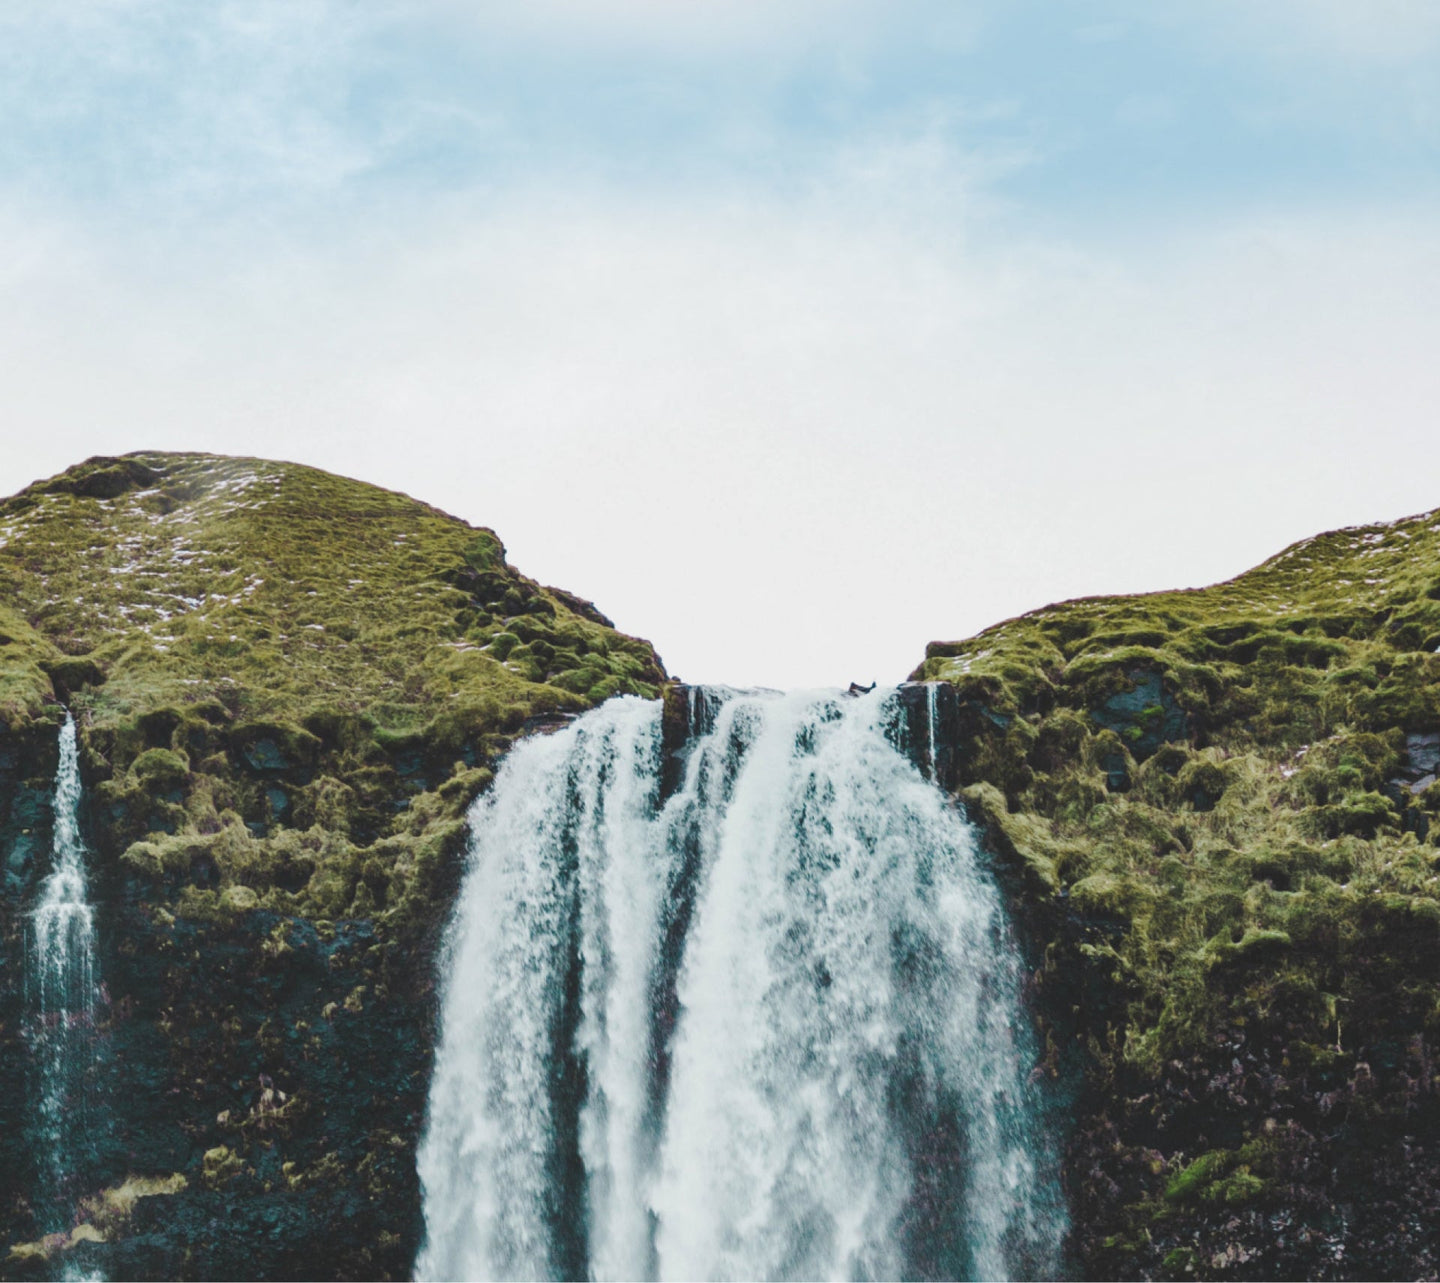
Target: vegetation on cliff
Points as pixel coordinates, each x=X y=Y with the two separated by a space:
x=289 y=688
x=277 y=669
x=1217 y=809
x=1220 y=806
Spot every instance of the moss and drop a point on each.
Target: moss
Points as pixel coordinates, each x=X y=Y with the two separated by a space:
x=110 y=1209
x=1240 y=1186
x=1196 y=1178
x=1025 y=846
x=239 y=899
x=221 y=1165
x=1110 y=895
x=1239 y=912
x=273 y=589
x=160 y=769
x=1255 y=946
x=1178 y=1261
x=290 y=685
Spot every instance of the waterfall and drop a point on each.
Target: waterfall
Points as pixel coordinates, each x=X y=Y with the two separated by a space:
x=932 y=721
x=60 y=980
x=767 y=1026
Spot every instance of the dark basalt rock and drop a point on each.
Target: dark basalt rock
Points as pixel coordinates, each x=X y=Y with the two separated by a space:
x=687 y=713
x=1145 y=716
x=264 y=757
x=275 y=800
x=1422 y=752
x=932 y=747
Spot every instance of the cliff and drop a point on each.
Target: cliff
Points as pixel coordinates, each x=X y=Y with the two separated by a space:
x=1217 y=811
x=1213 y=810
x=289 y=687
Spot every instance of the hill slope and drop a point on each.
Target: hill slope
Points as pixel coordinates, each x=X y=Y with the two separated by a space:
x=289 y=687
x=1219 y=808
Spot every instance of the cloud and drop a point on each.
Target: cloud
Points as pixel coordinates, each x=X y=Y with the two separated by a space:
x=705 y=29
x=788 y=440
x=792 y=360
x=159 y=107
x=1383 y=32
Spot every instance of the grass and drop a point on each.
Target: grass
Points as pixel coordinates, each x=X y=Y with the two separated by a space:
x=1213 y=787
x=1271 y=810
x=278 y=670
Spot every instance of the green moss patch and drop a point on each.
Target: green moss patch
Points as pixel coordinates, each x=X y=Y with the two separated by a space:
x=284 y=677
x=1219 y=813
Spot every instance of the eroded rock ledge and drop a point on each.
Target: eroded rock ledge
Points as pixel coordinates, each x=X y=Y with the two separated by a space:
x=1217 y=812
x=289 y=688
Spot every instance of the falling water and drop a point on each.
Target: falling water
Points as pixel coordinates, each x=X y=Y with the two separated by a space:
x=766 y=1027
x=932 y=720
x=61 y=981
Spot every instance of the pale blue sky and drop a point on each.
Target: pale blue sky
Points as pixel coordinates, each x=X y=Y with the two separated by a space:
x=1080 y=117
x=795 y=335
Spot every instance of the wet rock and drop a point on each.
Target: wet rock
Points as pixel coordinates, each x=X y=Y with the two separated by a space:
x=1117 y=772
x=687 y=713
x=1145 y=716
x=265 y=757
x=1422 y=752
x=542 y=724
x=930 y=732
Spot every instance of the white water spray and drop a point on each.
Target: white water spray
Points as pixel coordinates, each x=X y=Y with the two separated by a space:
x=932 y=720
x=61 y=977
x=770 y=1029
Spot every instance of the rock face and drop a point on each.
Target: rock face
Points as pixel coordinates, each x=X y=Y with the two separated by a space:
x=1215 y=813
x=289 y=688
x=1216 y=810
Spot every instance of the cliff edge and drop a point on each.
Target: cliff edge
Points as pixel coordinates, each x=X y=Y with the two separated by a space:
x=288 y=687
x=1218 y=810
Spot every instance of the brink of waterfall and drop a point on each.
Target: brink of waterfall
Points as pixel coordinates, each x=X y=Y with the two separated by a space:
x=61 y=986
x=755 y=1017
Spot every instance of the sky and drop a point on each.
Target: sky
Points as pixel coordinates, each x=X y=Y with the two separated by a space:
x=796 y=336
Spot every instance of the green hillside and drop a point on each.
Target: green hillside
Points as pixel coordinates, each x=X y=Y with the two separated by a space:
x=289 y=650
x=289 y=688
x=1220 y=805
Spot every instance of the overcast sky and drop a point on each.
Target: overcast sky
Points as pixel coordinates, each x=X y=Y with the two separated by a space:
x=796 y=335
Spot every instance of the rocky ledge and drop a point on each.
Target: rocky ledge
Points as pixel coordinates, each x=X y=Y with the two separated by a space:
x=289 y=688
x=1218 y=815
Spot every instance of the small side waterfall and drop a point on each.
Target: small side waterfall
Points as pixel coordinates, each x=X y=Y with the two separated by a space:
x=762 y=1022
x=61 y=987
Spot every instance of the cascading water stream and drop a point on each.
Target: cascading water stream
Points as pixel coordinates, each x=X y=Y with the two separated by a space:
x=932 y=722
x=766 y=1027
x=61 y=989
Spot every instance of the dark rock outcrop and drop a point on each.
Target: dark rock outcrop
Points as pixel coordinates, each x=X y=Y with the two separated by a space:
x=289 y=688
x=1214 y=811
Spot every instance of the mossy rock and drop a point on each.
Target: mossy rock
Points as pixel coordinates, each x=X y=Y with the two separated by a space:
x=160 y=770
x=1256 y=947
x=1020 y=842
x=72 y=674
x=239 y=899
x=1249 y=900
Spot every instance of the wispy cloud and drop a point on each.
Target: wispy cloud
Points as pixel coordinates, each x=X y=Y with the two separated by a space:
x=790 y=442
x=845 y=330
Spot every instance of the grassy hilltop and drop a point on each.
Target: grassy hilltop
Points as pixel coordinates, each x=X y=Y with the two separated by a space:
x=1215 y=809
x=289 y=687
x=1219 y=804
x=258 y=650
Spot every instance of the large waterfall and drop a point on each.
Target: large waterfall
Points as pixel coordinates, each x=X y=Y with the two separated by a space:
x=767 y=1026
x=60 y=977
